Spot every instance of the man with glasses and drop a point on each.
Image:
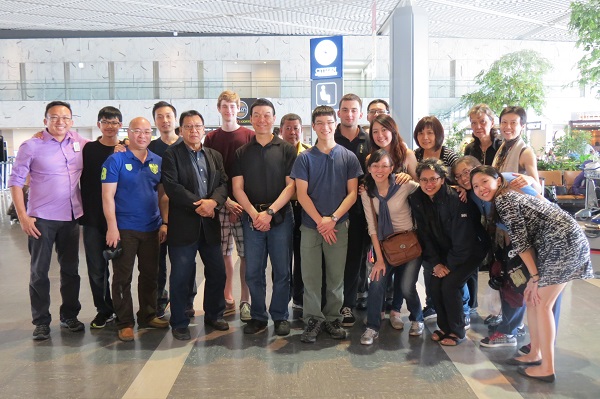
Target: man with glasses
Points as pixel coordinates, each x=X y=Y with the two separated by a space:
x=54 y=162
x=131 y=194
x=95 y=154
x=377 y=107
x=165 y=115
x=195 y=181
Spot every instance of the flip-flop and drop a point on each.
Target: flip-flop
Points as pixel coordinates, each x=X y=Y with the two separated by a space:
x=437 y=335
x=454 y=339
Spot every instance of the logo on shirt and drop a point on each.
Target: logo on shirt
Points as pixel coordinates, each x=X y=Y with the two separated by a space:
x=154 y=168
x=463 y=215
x=129 y=167
x=103 y=175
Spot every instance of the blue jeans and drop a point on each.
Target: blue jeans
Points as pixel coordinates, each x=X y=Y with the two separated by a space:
x=277 y=244
x=94 y=242
x=182 y=280
x=513 y=317
x=405 y=277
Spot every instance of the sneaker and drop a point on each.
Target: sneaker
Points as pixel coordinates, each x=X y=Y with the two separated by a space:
x=73 y=325
x=521 y=331
x=396 y=321
x=525 y=349
x=41 y=332
x=348 y=319
x=368 y=336
x=245 y=312
x=126 y=334
x=182 y=334
x=161 y=308
x=361 y=303
x=493 y=319
x=155 y=323
x=429 y=313
x=312 y=330
x=229 y=308
x=100 y=321
x=473 y=311
x=190 y=313
x=416 y=328
x=467 y=322
x=498 y=340
x=218 y=324
x=282 y=327
x=335 y=329
x=255 y=326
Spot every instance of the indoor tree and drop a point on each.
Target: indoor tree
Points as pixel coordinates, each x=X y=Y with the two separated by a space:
x=585 y=22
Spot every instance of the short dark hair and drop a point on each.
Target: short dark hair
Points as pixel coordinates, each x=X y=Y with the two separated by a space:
x=515 y=110
x=375 y=157
x=435 y=125
x=432 y=164
x=470 y=160
x=262 y=102
x=186 y=114
x=161 y=104
x=289 y=117
x=58 y=104
x=379 y=101
x=351 y=97
x=110 y=112
x=322 y=110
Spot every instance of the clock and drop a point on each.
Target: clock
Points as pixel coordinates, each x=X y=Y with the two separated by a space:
x=326 y=52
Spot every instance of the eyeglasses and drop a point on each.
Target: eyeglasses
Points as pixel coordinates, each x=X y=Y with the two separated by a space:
x=110 y=123
x=55 y=119
x=147 y=132
x=378 y=112
x=377 y=167
x=191 y=128
x=430 y=180
x=464 y=175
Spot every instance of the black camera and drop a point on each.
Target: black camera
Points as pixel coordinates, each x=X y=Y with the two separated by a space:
x=112 y=252
x=496 y=282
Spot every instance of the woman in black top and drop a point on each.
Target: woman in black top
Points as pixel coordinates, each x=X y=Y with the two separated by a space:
x=485 y=142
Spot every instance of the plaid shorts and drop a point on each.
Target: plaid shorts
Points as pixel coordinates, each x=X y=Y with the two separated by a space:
x=229 y=231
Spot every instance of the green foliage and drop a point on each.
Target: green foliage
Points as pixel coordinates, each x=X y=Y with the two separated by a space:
x=514 y=79
x=455 y=139
x=573 y=142
x=585 y=22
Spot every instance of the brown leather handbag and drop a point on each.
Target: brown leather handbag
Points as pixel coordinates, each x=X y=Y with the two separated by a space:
x=398 y=248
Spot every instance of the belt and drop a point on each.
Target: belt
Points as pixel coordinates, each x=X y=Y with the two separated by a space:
x=262 y=207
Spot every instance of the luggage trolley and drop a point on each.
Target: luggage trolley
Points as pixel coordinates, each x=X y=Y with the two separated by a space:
x=591 y=211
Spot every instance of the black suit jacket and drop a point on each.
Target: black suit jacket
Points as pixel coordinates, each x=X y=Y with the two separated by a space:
x=180 y=183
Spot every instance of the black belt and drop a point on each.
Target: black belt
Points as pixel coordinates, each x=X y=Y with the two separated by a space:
x=262 y=207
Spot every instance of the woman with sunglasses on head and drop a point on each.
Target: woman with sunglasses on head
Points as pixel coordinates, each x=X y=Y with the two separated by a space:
x=393 y=215
x=553 y=248
x=452 y=242
x=485 y=142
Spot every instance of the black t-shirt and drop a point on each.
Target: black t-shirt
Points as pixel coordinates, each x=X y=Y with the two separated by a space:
x=360 y=146
x=94 y=155
x=264 y=168
x=159 y=147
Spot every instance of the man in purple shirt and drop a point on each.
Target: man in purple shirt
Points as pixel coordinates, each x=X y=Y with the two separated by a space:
x=54 y=163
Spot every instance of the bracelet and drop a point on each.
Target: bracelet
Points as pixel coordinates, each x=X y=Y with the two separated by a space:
x=535 y=275
x=165 y=223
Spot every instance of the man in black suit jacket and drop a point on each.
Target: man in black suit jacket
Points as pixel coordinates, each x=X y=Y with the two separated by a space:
x=195 y=182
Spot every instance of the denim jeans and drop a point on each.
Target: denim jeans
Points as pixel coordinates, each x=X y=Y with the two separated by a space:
x=94 y=242
x=277 y=245
x=405 y=277
x=65 y=236
x=513 y=317
x=182 y=280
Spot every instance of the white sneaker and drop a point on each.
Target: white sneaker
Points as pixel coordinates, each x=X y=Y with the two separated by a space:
x=416 y=328
x=368 y=336
x=396 y=321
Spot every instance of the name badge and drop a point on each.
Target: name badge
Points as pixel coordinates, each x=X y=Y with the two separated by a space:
x=76 y=147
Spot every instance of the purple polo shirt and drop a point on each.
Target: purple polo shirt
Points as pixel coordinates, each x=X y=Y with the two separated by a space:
x=55 y=169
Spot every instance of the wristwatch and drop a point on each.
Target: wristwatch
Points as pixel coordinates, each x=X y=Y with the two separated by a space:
x=270 y=212
x=334 y=218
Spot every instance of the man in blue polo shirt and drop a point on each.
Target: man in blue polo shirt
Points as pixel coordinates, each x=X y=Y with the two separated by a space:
x=327 y=184
x=131 y=192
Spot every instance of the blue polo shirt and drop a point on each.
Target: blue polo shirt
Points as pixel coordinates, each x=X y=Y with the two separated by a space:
x=327 y=176
x=136 y=199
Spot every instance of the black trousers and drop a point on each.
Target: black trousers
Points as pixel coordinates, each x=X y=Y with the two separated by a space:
x=358 y=246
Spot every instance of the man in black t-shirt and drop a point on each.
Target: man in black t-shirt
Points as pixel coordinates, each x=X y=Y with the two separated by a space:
x=93 y=221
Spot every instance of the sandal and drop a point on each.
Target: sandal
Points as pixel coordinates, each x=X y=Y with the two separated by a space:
x=438 y=335
x=454 y=340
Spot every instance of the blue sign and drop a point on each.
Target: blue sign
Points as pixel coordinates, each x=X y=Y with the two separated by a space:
x=326 y=57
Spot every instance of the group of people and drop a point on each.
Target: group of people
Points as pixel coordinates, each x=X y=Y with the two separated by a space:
x=277 y=198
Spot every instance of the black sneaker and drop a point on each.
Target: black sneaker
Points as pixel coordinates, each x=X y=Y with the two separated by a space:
x=282 y=327
x=41 y=332
x=219 y=324
x=255 y=326
x=182 y=334
x=348 y=319
x=313 y=328
x=429 y=313
x=73 y=325
x=100 y=321
x=334 y=329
